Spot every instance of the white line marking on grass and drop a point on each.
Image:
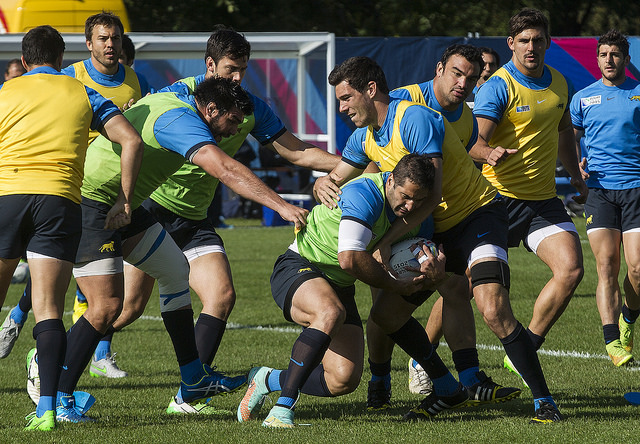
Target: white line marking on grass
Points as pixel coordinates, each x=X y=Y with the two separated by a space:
x=498 y=348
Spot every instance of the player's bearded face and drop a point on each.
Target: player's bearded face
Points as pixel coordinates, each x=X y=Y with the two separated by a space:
x=404 y=198
x=225 y=125
x=106 y=45
x=528 y=49
x=456 y=80
x=358 y=106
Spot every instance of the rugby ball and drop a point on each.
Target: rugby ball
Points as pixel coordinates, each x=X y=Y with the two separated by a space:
x=402 y=256
x=21 y=274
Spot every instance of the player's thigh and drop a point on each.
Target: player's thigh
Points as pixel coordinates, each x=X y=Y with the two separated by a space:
x=315 y=301
x=561 y=251
x=605 y=244
x=210 y=278
x=138 y=289
x=631 y=242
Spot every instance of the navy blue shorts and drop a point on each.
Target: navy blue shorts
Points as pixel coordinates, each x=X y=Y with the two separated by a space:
x=187 y=233
x=291 y=270
x=97 y=242
x=613 y=209
x=529 y=216
x=483 y=230
x=39 y=223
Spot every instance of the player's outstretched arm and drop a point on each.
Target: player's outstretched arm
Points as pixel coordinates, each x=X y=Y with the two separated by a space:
x=304 y=154
x=242 y=181
x=119 y=130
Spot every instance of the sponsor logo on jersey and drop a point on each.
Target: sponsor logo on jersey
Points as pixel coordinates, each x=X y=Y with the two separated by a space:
x=593 y=100
x=107 y=247
x=523 y=109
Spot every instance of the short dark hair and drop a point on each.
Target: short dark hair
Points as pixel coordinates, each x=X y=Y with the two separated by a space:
x=12 y=62
x=469 y=52
x=225 y=93
x=358 y=72
x=613 y=37
x=103 y=18
x=128 y=49
x=493 y=52
x=225 y=42
x=417 y=168
x=43 y=45
x=528 y=18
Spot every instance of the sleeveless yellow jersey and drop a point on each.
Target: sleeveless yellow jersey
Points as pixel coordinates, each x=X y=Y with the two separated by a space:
x=41 y=150
x=530 y=124
x=119 y=94
x=463 y=126
x=463 y=188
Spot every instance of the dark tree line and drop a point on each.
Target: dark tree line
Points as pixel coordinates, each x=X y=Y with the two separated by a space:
x=381 y=17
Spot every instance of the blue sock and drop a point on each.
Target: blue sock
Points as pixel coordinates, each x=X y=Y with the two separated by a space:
x=386 y=379
x=80 y=296
x=103 y=348
x=273 y=382
x=191 y=372
x=469 y=376
x=18 y=316
x=549 y=399
x=46 y=403
x=286 y=402
x=61 y=395
x=445 y=385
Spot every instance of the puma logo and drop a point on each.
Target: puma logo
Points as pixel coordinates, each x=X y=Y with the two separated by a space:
x=107 y=247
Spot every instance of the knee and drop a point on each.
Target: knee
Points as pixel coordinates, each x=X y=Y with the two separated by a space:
x=330 y=318
x=633 y=271
x=343 y=381
x=110 y=309
x=219 y=303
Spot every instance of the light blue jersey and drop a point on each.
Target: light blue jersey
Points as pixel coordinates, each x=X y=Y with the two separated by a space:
x=610 y=118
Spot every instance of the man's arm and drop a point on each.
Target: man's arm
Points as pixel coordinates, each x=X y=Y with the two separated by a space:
x=327 y=187
x=567 y=153
x=579 y=134
x=118 y=129
x=483 y=153
x=303 y=154
x=242 y=181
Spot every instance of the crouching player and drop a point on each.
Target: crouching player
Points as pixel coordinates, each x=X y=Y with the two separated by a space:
x=313 y=284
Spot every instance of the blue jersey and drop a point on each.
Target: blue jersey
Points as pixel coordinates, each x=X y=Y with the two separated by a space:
x=610 y=118
x=462 y=120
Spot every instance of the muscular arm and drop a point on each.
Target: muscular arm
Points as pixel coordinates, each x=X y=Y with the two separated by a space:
x=483 y=153
x=567 y=153
x=242 y=181
x=303 y=154
x=579 y=134
x=119 y=130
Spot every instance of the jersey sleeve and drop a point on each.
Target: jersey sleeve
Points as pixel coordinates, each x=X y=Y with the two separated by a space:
x=492 y=99
x=401 y=94
x=353 y=152
x=103 y=109
x=176 y=87
x=576 y=112
x=362 y=202
x=268 y=125
x=182 y=131
x=422 y=131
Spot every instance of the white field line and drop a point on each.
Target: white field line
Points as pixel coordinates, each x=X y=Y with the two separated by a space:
x=545 y=352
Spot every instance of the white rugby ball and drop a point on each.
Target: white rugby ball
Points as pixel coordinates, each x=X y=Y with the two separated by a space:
x=21 y=274
x=402 y=256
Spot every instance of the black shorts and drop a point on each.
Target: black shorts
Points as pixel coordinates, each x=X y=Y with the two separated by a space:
x=291 y=270
x=529 y=216
x=97 y=242
x=187 y=233
x=484 y=230
x=39 y=223
x=613 y=209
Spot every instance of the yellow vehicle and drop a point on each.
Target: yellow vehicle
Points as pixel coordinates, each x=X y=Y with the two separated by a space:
x=64 y=15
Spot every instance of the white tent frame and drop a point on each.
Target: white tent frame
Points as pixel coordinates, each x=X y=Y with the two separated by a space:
x=267 y=45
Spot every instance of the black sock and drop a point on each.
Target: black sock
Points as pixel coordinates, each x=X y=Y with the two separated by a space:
x=179 y=325
x=536 y=340
x=316 y=385
x=51 y=342
x=82 y=340
x=629 y=315
x=522 y=354
x=611 y=332
x=209 y=331
x=25 y=299
x=380 y=369
x=306 y=354
x=465 y=358
x=412 y=338
x=108 y=336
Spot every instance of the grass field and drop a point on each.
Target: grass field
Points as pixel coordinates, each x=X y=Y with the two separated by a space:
x=587 y=387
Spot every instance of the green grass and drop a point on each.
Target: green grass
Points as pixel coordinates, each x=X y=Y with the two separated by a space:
x=588 y=387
